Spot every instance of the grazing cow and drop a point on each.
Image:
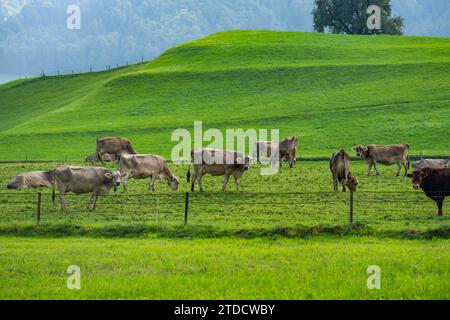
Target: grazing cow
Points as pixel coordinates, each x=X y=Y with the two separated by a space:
x=434 y=182
x=105 y=157
x=217 y=163
x=81 y=180
x=340 y=170
x=146 y=166
x=386 y=155
x=115 y=146
x=431 y=163
x=287 y=149
x=36 y=179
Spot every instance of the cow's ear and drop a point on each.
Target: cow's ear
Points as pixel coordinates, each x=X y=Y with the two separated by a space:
x=409 y=175
x=108 y=175
x=354 y=148
x=125 y=175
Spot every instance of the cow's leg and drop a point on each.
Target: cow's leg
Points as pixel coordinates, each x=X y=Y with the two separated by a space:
x=399 y=169
x=344 y=184
x=406 y=165
x=370 y=168
x=335 y=183
x=95 y=195
x=89 y=206
x=375 y=165
x=440 y=204
x=291 y=161
x=237 y=181
x=125 y=183
x=100 y=157
x=152 y=183
x=194 y=177
x=200 y=183
x=63 y=202
x=225 y=181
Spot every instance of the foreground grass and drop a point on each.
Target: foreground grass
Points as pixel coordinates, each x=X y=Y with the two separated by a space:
x=223 y=269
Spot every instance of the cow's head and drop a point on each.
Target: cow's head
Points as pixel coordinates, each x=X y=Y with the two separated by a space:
x=93 y=158
x=361 y=151
x=417 y=177
x=174 y=183
x=17 y=183
x=114 y=178
x=352 y=182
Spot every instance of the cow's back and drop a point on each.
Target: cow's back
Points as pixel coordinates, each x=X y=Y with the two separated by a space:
x=387 y=153
x=340 y=164
x=80 y=179
x=437 y=182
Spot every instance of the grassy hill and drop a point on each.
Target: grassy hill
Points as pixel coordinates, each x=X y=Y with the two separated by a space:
x=331 y=90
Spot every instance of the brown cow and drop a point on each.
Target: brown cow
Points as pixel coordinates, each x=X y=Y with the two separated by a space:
x=105 y=157
x=36 y=179
x=146 y=166
x=340 y=170
x=217 y=163
x=81 y=180
x=386 y=155
x=434 y=182
x=287 y=149
x=115 y=146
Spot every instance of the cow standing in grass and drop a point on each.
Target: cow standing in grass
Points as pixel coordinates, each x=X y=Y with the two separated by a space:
x=217 y=163
x=146 y=166
x=340 y=170
x=386 y=155
x=81 y=180
x=114 y=146
x=434 y=182
x=287 y=149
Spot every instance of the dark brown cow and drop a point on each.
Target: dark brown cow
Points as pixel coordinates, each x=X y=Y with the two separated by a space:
x=434 y=182
x=36 y=179
x=217 y=163
x=115 y=146
x=287 y=150
x=340 y=170
x=386 y=155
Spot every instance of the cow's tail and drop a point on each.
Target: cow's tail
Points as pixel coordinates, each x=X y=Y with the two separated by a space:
x=53 y=193
x=188 y=176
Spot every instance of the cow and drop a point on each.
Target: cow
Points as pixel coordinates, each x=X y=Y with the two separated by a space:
x=434 y=182
x=81 y=180
x=217 y=163
x=386 y=155
x=146 y=166
x=340 y=170
x=35 y=179
x=105 y=157
x=431 y=163
x=287 y=150
x=115 y=146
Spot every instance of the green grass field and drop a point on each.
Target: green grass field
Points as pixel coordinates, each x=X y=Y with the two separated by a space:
x=283 y=237
x=332 y=91
x=223 y=269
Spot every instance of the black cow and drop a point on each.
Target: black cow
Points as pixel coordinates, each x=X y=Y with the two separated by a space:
x=434 y=182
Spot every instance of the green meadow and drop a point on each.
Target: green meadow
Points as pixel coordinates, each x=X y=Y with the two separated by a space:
x=286 y=236
x=332 y=91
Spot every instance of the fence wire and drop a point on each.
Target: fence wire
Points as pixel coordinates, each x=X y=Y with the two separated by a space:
x=227 y=209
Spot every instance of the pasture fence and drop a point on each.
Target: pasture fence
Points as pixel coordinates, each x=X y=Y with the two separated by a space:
x=223 y=208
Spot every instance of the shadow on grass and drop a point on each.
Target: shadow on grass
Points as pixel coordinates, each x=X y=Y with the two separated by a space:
x=209 y=232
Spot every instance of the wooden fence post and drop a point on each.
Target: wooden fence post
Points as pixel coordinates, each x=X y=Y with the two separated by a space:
x=186 y=208
x=351 y=206
x=38 y=211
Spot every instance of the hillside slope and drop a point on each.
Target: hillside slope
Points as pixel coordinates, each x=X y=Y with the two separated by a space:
x=331 y=90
